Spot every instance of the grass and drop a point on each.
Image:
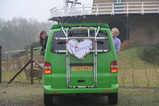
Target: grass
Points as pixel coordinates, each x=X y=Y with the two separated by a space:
x=138 y=97
x=20 y=95
x=135 y=72
x=32 y=95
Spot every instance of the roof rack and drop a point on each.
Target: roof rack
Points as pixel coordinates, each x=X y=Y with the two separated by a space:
x=86 y=25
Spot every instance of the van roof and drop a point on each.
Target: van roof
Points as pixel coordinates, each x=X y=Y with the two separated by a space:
x=103 y=25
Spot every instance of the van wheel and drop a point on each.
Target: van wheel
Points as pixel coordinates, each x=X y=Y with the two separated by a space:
x=48 y=99
x=113 y=98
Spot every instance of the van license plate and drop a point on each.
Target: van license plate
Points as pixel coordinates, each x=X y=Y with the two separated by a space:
x=81 y=68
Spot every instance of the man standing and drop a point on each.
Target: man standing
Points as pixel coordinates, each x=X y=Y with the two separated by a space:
x=117 y=42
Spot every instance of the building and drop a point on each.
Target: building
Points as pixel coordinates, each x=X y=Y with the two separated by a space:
x=136 y=20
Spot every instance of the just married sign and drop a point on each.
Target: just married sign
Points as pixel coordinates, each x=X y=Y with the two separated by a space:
x=79 y=49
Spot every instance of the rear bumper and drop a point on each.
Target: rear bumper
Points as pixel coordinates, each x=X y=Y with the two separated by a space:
x=49 y=90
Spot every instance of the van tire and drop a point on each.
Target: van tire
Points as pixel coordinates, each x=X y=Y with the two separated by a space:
x=113 y=98
x=48 y=99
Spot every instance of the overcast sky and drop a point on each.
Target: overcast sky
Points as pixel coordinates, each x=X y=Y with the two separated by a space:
x=38 y=9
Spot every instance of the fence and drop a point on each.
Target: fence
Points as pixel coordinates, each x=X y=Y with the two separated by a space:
x=21 y=65
x=133 y=72
x=106 y=8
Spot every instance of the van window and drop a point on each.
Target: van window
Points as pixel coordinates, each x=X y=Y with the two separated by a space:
x=102 y=44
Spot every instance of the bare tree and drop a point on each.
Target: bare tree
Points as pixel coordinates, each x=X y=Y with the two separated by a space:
x=20 y=32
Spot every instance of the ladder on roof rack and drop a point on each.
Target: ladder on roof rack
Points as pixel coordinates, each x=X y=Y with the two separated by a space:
x=95 y=53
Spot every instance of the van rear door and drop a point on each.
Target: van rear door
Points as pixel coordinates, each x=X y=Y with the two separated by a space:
x=82 y=71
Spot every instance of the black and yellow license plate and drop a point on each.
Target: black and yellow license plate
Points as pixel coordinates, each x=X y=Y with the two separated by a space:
x=81 y=68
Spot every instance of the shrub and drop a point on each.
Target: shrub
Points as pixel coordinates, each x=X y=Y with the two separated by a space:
x=150 y=53
x=157 y=45
x=126 y=44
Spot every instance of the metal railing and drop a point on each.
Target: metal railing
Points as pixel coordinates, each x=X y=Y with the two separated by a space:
x=106 y=8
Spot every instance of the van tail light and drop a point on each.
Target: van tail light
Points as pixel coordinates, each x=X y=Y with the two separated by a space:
x=47 y=68
x=114 y=67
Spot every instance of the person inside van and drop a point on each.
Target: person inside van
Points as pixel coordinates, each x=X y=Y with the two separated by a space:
x=117 y=42
x=43 y=41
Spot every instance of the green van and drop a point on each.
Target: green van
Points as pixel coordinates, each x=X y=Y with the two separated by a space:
x=80 y=59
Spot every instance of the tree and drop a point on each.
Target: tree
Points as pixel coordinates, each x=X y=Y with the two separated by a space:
x=20 y=32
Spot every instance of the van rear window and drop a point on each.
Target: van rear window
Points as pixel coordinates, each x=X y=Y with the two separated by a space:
x=102 y=44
